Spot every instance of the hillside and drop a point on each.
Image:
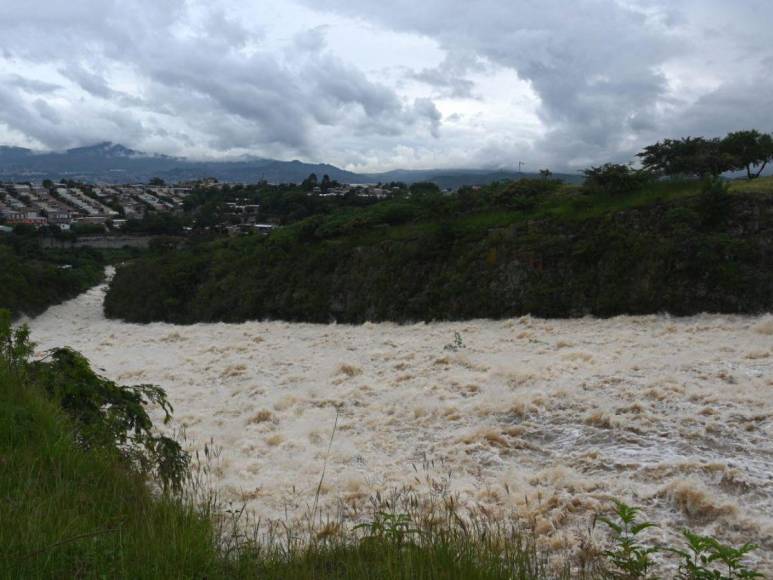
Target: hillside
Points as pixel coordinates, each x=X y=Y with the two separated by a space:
x=31 y=279
x=511 y=249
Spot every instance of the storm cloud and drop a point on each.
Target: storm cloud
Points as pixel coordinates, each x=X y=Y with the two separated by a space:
x=369 y=84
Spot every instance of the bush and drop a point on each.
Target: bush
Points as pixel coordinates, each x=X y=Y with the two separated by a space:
x=614 y=178
x=423 y=188
x=88 y=229
x=524 y=194
x=106 y=414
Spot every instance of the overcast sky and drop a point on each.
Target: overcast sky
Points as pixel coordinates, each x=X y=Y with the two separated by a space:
x=381 y=84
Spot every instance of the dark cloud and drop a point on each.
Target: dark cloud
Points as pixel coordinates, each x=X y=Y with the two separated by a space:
x=90 y=82
x=605 y=77
x=728 y=108
x=593 y=64
x=597 y=66
x=450 y=77
x=207 y=72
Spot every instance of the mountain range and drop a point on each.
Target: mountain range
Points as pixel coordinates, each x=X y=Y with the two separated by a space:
x=113 y=163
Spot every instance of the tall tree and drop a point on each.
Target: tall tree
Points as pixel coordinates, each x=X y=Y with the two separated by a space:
x=325 y=184
x=750 y=150
x=310 y=182
x=696 y=156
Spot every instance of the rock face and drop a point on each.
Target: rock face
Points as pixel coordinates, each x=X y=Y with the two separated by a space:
x=696 y=255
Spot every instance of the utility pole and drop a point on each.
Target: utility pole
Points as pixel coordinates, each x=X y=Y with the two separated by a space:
x=520 y=164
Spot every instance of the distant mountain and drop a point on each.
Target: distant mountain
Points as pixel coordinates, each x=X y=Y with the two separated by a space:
x=113 y=163
x=108 y=150
x=14 y=153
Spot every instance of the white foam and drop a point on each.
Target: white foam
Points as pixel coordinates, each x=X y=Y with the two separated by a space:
x=579 y=410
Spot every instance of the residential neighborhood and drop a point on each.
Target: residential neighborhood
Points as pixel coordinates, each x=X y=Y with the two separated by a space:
x=71 y=206
x=64 y=206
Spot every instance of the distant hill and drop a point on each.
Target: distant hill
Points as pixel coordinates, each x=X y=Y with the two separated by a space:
x=452 y=178
x=113 y=163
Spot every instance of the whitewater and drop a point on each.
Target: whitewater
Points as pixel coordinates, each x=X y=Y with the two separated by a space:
x=546 y=419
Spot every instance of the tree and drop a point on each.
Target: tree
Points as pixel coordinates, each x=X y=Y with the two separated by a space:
x=613 y=178
x=695 y=156
x=424 y=188
x=545 y=174
x=48 y=184
x=310 y=182
x=750 y=150
x=24 y=230
x=157 y=181
x=326 y=183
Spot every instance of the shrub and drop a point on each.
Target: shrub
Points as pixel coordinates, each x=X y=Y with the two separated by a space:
x=704 y=559
x=15 y=346
x=106 y=415
x=614 y=178
x=456 y=345
x=524 y=193
x=709 y=559
x=424 y=188
x=629 y=558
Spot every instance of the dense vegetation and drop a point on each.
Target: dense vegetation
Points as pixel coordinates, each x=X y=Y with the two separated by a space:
x=531 y=246
x=93 y=491
x=280 y=204
x=31 y=279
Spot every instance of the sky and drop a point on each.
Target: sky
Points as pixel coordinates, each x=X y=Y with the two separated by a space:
x=373 y=85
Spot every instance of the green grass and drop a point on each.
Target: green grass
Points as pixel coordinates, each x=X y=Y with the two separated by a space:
x=78 y=513
x=760 y=185
x=567 y=204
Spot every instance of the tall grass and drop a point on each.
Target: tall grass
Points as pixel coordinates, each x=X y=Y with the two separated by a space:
x=67 y=512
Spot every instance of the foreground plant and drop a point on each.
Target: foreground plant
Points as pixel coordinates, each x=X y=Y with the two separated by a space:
x=629 y=557
x=704 y=559
x=708 y=559
x=15 y=345
x=105 y=414
x=395 y=528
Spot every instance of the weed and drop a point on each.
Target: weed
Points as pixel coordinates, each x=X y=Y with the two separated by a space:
x=706 y=557
x=456 y=345
x=395 y=528
x=15 y=345
x=629 y=557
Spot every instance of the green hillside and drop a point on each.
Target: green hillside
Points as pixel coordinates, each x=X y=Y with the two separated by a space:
x=533 y=246
x=31 y=279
